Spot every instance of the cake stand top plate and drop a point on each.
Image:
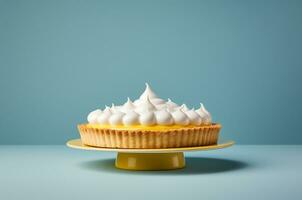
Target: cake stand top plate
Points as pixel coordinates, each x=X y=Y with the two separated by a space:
x=77 y=144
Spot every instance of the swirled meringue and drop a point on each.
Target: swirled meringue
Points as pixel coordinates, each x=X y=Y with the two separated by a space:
x=148 y=93
x=150 y=110
x=104 y=117
x=171 y=104
x=145 y=105
x=131 y=118
x=128 y=106
x=184 y=108
x=195 y=119
x=163 y=117
x=204 y=114
x=154 y=101
x=180 y=118
x=161 y=106
x=92 y=117
x=147 y=118
x=114 y=109
x=107 y=110
x=116 y=118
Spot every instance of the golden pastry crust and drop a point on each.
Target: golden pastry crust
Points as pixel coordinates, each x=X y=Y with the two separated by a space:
x=149 y=139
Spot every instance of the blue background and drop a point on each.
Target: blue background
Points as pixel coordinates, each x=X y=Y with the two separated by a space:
x=61 y=59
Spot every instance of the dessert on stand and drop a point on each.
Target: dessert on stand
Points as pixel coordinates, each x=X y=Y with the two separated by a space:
x=149 y=133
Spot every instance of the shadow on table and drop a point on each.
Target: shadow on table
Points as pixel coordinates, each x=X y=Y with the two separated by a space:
x=194 y=165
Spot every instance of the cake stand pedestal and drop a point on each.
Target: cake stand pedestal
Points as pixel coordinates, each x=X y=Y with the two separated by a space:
x=149 y=159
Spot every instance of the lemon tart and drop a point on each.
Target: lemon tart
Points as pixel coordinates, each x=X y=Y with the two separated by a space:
x=149 y=122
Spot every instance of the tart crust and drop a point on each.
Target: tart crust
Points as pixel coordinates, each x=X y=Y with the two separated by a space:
x=149 y=139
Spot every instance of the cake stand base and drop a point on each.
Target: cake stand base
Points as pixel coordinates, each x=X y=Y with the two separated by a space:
x=150 y=161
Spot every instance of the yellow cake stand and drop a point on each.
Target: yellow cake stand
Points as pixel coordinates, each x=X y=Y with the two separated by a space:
x=149 y=159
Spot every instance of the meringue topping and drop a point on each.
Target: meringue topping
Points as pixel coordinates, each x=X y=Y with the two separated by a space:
x=150 y=110
x=92 y=117
x=163 y=117
x=116 y=119
x=171 y=104
x=204 y=114
x=147 y=118
x=131 y=118
x=180 y=117
x=145 y=105
x=148 y=93
x=128 y=106
x=195 y=119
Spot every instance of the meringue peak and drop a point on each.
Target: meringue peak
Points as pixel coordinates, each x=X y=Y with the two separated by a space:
x=203 y=109
x=184 y=108
x=148 y=93
x=129 y=103
x=147 y=103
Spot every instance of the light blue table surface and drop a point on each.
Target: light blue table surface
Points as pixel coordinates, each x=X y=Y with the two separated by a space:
x=239 y=172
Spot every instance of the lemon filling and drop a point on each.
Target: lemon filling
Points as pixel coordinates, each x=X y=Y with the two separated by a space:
x=140 y=127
